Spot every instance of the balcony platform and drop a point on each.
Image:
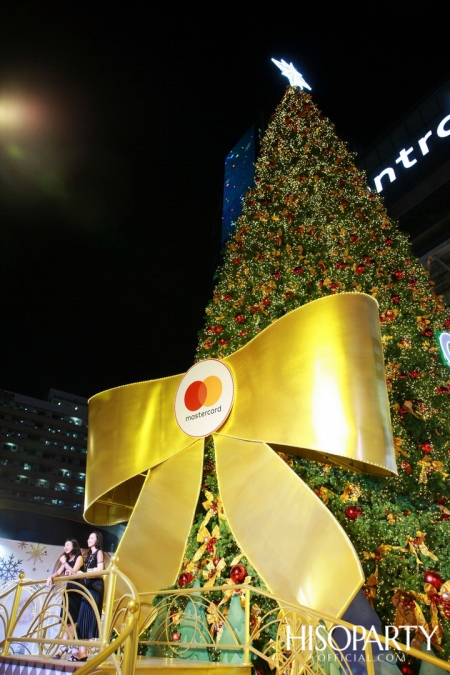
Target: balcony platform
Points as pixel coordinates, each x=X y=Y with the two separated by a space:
x=10 y=665
x=146 y=665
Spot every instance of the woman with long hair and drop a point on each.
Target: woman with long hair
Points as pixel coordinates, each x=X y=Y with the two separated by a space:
x=71 y=563
x=87 y=620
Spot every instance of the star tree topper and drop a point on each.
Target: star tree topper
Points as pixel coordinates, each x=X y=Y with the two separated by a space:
x=295 y=78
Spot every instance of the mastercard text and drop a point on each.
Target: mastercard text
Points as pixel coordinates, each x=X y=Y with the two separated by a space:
x=203 y=413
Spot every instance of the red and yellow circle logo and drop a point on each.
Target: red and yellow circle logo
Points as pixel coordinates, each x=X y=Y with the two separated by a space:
x=203 y=393
x=204 y=398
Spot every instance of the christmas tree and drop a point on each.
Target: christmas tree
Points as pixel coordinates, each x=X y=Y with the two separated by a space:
x=311 y=227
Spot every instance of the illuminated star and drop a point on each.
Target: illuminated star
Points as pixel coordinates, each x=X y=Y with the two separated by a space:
x=294 y=77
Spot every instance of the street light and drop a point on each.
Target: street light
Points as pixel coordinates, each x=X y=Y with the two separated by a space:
x=12 y=113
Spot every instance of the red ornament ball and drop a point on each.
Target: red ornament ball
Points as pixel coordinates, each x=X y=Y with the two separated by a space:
x=406 y=668
x=298 y=270
x=360 y=269
x=353 y=511
x=399 y=274
x=176 y=636
x=433 y=578
x=447 y=322
x=426 y=448
x=185 y=579
x=239 y=318
x=427 y=332
x=216 y=561
x=238 y=573
x=228 y=297
x=210 y=545
x=395 y=299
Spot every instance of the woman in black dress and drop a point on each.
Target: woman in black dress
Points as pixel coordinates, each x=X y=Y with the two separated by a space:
x=71 y=563
x=87 y=620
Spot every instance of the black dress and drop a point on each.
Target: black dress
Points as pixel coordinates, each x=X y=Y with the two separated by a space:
x=87 y=627
x=74 y=598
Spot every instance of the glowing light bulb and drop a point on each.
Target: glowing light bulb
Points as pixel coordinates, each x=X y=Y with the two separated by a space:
x=288 y=70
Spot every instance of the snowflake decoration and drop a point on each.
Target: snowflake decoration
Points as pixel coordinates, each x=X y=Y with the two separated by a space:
x=36 y=552
x=23 y=544
x=10 y=568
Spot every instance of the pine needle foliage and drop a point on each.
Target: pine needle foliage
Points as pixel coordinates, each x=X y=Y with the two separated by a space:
x=311 y=227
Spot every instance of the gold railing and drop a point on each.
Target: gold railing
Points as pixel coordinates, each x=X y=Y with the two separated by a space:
x=50 y=626
x=225 y=624
x=290 y=639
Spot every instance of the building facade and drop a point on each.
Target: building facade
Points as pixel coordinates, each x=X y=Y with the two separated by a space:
x=409 y=166
x=43 y=446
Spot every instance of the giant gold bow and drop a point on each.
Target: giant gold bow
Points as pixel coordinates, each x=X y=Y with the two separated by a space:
x=312 y=384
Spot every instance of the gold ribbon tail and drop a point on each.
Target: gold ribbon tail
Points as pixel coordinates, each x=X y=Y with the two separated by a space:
x=298 y=548
x=151 y=550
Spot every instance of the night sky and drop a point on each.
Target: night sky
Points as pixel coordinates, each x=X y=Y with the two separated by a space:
x=111 y=178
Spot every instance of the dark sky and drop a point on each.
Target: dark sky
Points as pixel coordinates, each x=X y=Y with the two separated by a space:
x=111 y=183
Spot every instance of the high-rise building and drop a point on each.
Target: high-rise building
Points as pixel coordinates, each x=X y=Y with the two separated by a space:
x=43 y=445
x=409 y=165
x=238 y=176
x=43 y=452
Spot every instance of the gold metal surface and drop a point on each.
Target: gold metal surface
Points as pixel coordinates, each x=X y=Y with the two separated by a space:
x=294 y=647
x=313 y=384
x=302 y=641
x=52 y=623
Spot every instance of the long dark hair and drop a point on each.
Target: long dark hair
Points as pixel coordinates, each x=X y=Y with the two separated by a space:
x=99 y=542
x=76 y=551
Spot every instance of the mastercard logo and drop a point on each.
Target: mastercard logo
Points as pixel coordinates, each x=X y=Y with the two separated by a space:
x=204 y=393
x=204 y=398
x=444 y=341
